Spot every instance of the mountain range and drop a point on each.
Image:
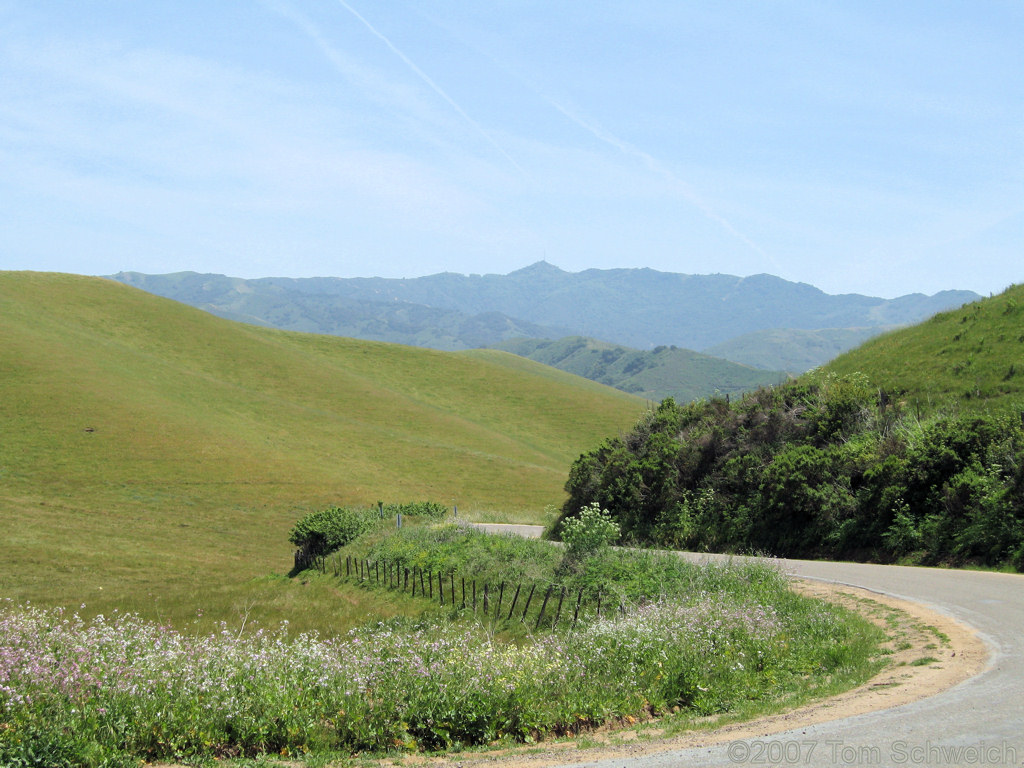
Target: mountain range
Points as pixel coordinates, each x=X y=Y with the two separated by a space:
x=760 y=321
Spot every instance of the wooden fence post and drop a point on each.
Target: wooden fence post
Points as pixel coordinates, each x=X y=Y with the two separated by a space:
x=528 y=599
x=515 y=598
x=576 y=614
x=501 y=596
x=542 y=607
x=561 y=597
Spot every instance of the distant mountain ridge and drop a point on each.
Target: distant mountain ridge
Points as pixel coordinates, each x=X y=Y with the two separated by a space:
x=321 y=305
x=792 y=349
x=638 y=308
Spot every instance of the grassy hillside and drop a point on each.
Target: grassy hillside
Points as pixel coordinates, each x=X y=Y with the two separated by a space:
x=663 y=372
x=973 y=355
x=154 y=456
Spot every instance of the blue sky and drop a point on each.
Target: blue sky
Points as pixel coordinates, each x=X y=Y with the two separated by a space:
x=860 y=146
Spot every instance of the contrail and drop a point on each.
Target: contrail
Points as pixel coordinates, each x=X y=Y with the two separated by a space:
x=623 y=146
x=652 y=164
x=434 y=86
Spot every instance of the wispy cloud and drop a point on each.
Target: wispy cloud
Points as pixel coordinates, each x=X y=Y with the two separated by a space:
x=676 y=183
x=354 y=72
x=660 y=169
x=433 y=86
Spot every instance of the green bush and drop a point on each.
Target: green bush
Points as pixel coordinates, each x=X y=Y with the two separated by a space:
x=322 y=532
x=823 y=467
x=429 y=509
x=589 y=532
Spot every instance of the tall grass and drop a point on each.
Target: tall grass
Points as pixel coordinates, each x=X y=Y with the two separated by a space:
x=110 y=690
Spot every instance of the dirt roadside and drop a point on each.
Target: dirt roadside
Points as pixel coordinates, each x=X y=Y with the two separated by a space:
x=929 y=652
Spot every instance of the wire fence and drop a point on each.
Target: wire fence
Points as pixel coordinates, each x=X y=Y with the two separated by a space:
x=534 y=604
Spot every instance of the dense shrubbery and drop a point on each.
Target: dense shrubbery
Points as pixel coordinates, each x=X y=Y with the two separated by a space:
x=821 y=467
x=429 y=509
x=324 y=531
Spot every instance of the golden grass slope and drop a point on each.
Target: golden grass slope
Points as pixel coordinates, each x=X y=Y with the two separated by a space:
x=152 y=451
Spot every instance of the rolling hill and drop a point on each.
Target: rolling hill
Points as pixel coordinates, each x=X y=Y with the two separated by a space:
x=663 y=372
x=154 y=456
x=973 y=356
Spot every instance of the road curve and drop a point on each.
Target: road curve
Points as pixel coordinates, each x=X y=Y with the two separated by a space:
x=978 y=722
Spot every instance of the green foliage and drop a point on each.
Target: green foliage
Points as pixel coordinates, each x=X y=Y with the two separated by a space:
x=324 y=531
x=589 y=532
x=969 y=356
x=471 y=552
x=825 y=466
x=123 y=691
x=429 y=509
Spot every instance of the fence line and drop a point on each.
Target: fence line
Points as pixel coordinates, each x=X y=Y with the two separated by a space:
x=396 y=576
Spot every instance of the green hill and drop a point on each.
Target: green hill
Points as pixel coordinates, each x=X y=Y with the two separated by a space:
x=666 y=371
x=973 y=355
x=154 y=456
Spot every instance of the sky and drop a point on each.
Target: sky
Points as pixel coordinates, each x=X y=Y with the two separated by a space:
x=861 y=146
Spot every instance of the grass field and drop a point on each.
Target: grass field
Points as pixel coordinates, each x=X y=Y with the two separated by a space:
x=972 y=356
x=728 y=640
x=154 y=457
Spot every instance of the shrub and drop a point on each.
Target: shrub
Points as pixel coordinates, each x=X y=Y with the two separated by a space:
x=592 y=530
x=429 y=509
x=322 y=532
x=815 y=468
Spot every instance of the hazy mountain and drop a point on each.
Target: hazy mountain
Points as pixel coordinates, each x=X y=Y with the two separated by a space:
x=299 y=305
x=638 y=308
x=793 y=350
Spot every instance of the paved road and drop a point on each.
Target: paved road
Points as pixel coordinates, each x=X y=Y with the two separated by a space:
x=979 y=722
x=526 y=531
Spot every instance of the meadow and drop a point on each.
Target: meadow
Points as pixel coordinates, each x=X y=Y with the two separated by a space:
x=696 y=640
x=970 y=359
x=154 y=456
